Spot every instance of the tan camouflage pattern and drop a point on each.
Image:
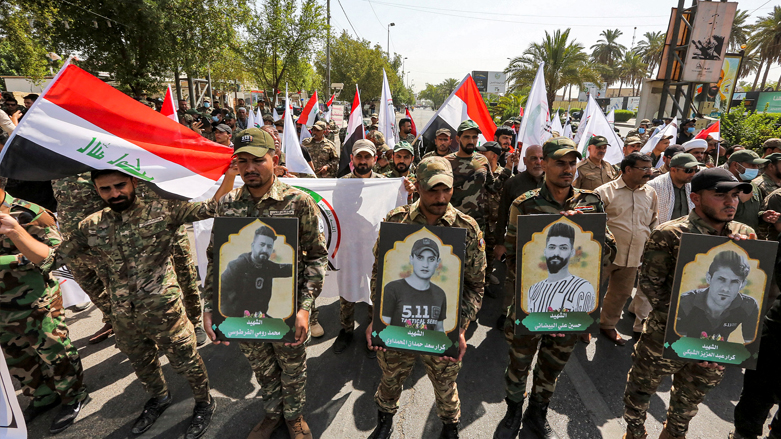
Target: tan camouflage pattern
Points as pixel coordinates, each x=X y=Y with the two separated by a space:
x=472 y=183
x=691 y=382
x=281 y=373
x=347 y=314
x=323 y=153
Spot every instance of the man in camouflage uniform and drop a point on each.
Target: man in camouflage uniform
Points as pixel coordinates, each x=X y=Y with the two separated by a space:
x=324 y=154
x=441 y=144
x=363 y=159
x=280 y=368
x=593 y=171
x=33 y=333
x=332 y=131
x=557 y=195
x=770 y=180
x=403 y=155
x=77 y=199
x=641 y=132
x=405 y=133
x=435 y=186
x=715 y=196
x=133 y=237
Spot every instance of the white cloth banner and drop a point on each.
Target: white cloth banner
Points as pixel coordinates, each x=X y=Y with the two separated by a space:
x=387 y=115
x=351 y=210
x=72 y=294
x=12 y=424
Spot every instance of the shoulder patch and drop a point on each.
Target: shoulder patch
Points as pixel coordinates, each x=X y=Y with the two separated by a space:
x=480 y=241
x=526 y=196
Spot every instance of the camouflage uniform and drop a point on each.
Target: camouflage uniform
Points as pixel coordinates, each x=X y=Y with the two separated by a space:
x=472 y=181
x=146 y=306
x=492 y=215
x=332 y=130
x=591 y=176
x=553 y=351
x=77 y=198
x=33 y=333
x=347 y=308
x=433 y=154
x=691 y=382
x=765 y=184
x=396 y=366
x=323 y=153
x=643 y=137
x=280 y=369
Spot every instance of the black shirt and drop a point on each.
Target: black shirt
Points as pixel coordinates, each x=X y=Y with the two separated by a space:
x=246 y=286
x=695 y=321
x=513 y=188
x=37 y=192
x=412 y=308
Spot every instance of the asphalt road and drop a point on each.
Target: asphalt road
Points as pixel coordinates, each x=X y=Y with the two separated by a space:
x=340 y=388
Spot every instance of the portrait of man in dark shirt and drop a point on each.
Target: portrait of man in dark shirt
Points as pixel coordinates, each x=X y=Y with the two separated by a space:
x=416 y=302
x=246 y=284
x=717 y=311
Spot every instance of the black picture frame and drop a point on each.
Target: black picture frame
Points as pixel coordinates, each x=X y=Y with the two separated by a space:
x=539 y=304
x=246 y=306
x=693 y=333
x=415 y=327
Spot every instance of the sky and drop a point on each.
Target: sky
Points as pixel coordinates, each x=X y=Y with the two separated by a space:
x=448 y=39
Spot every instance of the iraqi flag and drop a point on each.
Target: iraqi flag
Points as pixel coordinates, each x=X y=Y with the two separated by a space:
x=713 y=131
x=309 y=113
x=412 y=123
x=80 y=124
x=168 y=109
x=463 y=103
x=327 y=114
x=355 y=132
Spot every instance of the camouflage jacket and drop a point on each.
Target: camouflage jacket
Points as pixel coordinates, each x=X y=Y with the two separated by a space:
x=281 y=200
x=433 y=154
x=23 y=287
x=384 y=169
x=643 y=137
x=472 y=182
x=492 y=207
x=661 y=254
x=474 y=265
x=540 y=201
x=135 y=248
x=352 y=175
x=323 y=153
x=765 y=184
x=77 y=198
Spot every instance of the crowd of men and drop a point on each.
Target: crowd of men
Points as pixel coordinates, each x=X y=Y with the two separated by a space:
x=127 y=248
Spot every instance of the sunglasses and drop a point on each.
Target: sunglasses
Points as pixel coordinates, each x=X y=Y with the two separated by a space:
x=690 y=170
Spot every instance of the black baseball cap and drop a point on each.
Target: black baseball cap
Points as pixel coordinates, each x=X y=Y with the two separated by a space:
x=719 y=180
x=425 y=244
x=673 y=149
x=490 y=147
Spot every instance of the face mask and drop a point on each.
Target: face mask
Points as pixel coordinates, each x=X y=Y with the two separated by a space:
x=641 y=130
x=206 y=105
x=749 y=174
x=690 y=130
x=214 y=119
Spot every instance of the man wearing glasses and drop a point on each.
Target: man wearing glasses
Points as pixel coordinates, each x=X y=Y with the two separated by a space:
x=631 y=208
x=673 y=189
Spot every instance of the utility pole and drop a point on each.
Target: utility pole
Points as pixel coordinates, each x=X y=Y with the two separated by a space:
x=634 y=34
x=328 y=49
x=387 y=52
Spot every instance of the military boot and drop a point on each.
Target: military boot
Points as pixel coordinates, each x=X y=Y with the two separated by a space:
x=384 y=426
x=265 y=428
x=667 y=435
x=630 y=435
x=449 y=431
x=535 y=422
x=298 y=428
x=511 y=423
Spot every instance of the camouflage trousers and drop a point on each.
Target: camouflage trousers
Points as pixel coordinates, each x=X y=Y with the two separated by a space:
x=141 y=332
x=396 y=367
x=347 y=314
x=40 y=354
x=552 y=355
x=92 y=278
x=691 y=382
x=490 y=244
x=281 y=372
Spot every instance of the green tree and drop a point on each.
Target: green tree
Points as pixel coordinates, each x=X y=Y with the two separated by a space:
x=609 y=53
x=740 y=31
x=566 y=63
x=651 y=48
x=633 y=70
x=766 y=38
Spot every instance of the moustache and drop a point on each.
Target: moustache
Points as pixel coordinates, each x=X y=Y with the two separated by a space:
x=119 y=198
x=252 y=174
x=556 y=258
x=566 y=174
x=439 y=205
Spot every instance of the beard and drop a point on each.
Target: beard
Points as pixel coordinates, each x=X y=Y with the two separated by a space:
x=362 y=169
x=401 y=167
x=469 y=148
x=555 y=264
x=253 y=184
x=121 y=203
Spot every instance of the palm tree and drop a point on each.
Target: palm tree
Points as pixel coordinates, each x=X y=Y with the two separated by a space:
x=766 y=37
x=740 y=31
x=633 y=70
x=448 y=85
x=565 y=63
x=609 y=53
x=651 y=49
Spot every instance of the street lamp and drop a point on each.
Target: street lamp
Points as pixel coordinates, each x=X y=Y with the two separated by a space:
x=402 y=70
x=387 y=53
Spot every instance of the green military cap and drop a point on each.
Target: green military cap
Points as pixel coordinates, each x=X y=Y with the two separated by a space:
x=468 y=125
x=597 y=141
x=645 y=122
x=632 y=140
x=230 y=116
x=776 y=156
x=685 y=160
x=192 y=112
x=747 y=156
x=253 y=141
x=558 y=147
x=404 y=146
x=432 y=171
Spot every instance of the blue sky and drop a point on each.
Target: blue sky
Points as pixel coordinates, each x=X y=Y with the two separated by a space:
x=447 y=39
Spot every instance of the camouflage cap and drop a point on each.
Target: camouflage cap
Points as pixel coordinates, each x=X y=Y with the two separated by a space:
x=375 y=115
x=558 y=147
x=224 y=128
x=432 y=171
x=597 y=141
x=319 y=126
x=468 y=125
x=364 y=145
x=632 y=140
x=444 y=131
x=404 y=146
x=425 y=244
x=645 y=122
x=253 y=141
x=192 y=112
x=384 y=148
x=772 y=143
x=268 y=118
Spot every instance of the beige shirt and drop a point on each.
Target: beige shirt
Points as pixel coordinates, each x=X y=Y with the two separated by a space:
x=591 y=176
x=631 y=216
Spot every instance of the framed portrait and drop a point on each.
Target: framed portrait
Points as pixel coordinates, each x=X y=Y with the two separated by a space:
x=559 y=264
x=255 y=279
x=420 y=276
x=717 y=300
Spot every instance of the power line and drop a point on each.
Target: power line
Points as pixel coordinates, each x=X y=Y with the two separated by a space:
x=755 y=10
x=348 y=18
x=93 y=13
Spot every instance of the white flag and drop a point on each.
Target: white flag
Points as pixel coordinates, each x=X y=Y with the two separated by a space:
x=611 y=118
x=567 y=130
x=305 y=134
x=387 y=114
x=556 y=125
x=584 y=117
x=275 y=115
x=670 y=129
x=294 y=158
x=598 y=125
x=250 y=118
x=535 y=126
